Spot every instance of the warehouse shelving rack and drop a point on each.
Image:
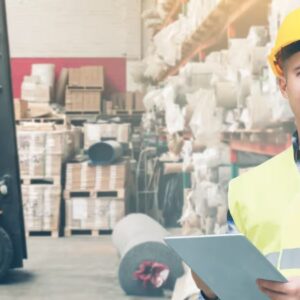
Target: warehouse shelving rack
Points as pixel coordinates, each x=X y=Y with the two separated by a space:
x=173 y=13
x=265 y=148
x=211 y=31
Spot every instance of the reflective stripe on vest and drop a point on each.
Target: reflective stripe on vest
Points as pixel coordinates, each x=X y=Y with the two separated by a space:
x=290 y=259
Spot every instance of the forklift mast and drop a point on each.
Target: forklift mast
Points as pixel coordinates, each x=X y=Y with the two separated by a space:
x=12 y=233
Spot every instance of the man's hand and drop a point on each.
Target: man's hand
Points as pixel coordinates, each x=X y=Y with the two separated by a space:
x=281 y=291
x=203 y=287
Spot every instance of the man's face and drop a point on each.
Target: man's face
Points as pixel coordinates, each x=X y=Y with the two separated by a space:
x=290 y=84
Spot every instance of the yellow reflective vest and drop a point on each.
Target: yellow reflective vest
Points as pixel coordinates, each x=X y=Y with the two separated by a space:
x=265 y=206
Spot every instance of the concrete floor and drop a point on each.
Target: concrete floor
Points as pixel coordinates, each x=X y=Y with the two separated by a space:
x=76 y=268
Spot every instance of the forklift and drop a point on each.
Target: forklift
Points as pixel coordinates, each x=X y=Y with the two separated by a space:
x=12 y=232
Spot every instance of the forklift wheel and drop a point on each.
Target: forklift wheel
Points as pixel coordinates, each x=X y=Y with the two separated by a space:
x=6 y=252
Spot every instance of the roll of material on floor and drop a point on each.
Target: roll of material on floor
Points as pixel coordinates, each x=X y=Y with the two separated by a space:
x=139 y=240
x=105 y=153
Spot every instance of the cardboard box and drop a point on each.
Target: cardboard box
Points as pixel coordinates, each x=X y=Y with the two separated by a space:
x=92 y=100
x=87 y=77
x=129 y=101
x=83 y=100
x=36 y=110
x=139 y=103
x=92 y=76
x=34 y=92
x=74 y=100
x=108 y=107
x=84 y=177
x=21 y=109
x=75 y=77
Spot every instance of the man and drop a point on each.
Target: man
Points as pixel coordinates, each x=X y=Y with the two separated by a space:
x=265 y=202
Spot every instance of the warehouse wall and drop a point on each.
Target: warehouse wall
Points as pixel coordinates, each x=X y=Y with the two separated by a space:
x=69 y=33
x=115 y=70
x=75 y=28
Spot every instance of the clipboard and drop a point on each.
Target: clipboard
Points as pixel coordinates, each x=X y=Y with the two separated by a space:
x=229 y=264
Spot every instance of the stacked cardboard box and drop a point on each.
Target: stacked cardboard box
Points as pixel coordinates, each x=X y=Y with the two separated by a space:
x=84 y=89
x=130 y=102
x=95 y=132
x=20 y=108
x=88 y=77
x=43 y=148
x=95 y=196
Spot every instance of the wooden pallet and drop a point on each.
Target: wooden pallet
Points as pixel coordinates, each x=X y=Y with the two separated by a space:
x=32 y=180
x=129 y=112
x=58 y=121
x=86 y=88
x=82 y=112
x=51 y=233
x=90 y=232
x=68 y=194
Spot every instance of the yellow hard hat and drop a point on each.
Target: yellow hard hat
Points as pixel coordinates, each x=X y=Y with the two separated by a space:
x=289 y=33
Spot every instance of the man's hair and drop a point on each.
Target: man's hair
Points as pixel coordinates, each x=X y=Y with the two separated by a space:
x=285 y=53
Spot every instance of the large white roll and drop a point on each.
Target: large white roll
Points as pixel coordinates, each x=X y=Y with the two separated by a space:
x=46 y=72
x=139 y=240
x=244 y=87
x=226 y=94
x=258 y=59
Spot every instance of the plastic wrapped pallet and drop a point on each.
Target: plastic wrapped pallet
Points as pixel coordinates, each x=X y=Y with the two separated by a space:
x=51 y=139
x=93 y=213
x=95 y=132
x=85 y=177
x=41 y=207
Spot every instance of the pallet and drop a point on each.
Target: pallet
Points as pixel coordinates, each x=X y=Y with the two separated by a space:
x=82 y=112
x=68 y=194
x=86 y=88
x=32 y=180
x=57 y=121
x=90 y=232
x=39 y=233
x=129 y=112
x=261 y=136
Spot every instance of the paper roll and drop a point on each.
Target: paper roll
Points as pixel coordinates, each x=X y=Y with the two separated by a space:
x=226 y=94
x=139 y=239
x=46 y=72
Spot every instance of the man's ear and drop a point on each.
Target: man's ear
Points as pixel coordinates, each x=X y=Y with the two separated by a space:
x=282 y=82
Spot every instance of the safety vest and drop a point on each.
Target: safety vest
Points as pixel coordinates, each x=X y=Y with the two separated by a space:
x=265 y=206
